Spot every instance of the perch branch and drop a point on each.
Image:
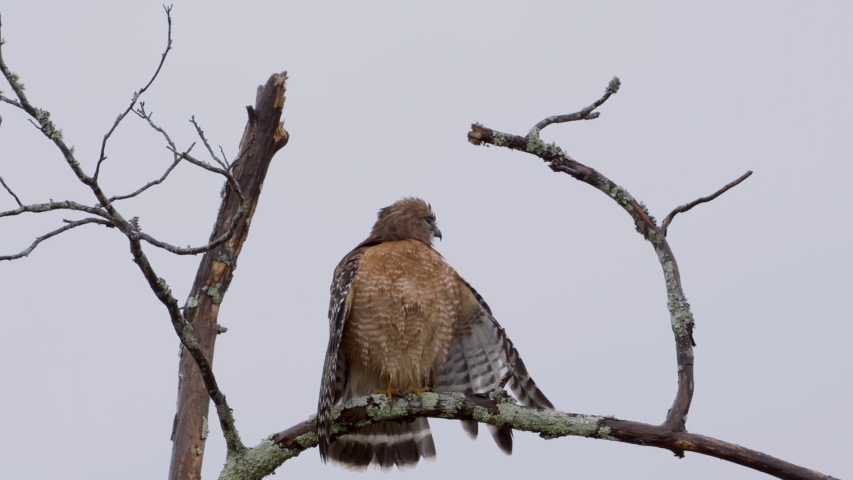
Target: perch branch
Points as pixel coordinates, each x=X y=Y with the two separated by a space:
x=136 y=94
x=666 y=221
x=69 y=226
x=359 y=412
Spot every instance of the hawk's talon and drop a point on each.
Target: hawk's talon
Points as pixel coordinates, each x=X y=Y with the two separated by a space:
x=389 y=392
x=418 y=391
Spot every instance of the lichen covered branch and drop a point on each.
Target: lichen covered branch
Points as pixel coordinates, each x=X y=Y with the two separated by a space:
x=262 y=460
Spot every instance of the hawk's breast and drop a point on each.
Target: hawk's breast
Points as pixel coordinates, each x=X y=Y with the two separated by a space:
x=405 y=305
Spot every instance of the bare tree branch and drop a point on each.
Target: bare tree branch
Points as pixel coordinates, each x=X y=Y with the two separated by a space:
x=50 y=206
x=262 y=460
x=666 y=221
x=17 y=200
x=69 y=226
x=136 y=94
x=584 y=114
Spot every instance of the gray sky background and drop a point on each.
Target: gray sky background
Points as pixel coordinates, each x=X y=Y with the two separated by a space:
x=380 y=100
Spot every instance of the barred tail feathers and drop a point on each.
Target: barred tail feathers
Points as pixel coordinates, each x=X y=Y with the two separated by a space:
x=384 y=444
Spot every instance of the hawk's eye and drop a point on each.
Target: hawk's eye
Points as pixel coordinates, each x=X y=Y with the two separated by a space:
x=430 y=219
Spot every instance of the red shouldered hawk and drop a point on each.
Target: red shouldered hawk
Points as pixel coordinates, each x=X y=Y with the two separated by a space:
x=401 y=319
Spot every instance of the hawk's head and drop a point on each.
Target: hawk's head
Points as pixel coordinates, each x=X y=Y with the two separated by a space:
x=407 y=219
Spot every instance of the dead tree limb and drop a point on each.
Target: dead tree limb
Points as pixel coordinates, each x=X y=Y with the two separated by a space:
x=263 y=137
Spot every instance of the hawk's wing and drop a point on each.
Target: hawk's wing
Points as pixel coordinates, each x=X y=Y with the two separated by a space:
x=335 y=365
x=477 y=360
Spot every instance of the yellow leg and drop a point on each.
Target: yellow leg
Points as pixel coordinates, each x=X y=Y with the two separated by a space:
x=389 y=392
x=418 y=391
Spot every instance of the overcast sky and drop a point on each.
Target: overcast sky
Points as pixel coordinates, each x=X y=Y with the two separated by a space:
x=379 y=102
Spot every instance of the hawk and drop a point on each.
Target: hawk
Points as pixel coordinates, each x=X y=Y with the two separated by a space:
x=402 y=320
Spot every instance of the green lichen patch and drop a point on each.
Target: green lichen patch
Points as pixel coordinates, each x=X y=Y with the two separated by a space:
x=538 y=147
x=307 y=440
x=161 y=282
x=549 y=423
x=499 y=140
x=214 y=293
x=679 y=308
x=429 y=400
x=257 y=462
x=604 y=433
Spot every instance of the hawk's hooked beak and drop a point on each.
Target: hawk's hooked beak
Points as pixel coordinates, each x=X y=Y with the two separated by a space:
x=436 y=233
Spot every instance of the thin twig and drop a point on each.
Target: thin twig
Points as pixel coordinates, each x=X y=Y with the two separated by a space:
x=688 y=206
x=69 y=226
x=206 y=144
x=151 y=183
x=11 y=192
x=136 y=94
x=224 y=158
x=585 y=114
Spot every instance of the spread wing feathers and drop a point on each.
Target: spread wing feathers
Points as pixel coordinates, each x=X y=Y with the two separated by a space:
x=477 y=360
x=335 y=365
x=384 y=444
